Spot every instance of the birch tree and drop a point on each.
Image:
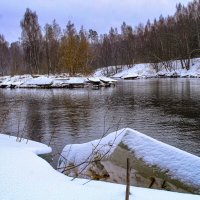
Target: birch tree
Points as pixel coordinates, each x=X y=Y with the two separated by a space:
x=31 y=40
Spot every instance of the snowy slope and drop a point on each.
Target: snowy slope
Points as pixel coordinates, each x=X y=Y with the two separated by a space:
x=25 y=176
x=147 y=70
x=20 y=143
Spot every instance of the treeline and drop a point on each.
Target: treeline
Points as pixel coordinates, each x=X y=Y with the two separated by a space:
x=52 y=50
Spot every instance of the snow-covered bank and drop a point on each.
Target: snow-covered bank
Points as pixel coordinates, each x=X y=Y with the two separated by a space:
x=176 y=169
x=53 y=81
x=7 y=141
x=147 y=70
x=25 y=176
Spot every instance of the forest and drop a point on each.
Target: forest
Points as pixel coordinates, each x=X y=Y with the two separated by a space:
x=51 y=50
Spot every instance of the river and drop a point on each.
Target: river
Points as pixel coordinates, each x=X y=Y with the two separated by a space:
x=165 y=109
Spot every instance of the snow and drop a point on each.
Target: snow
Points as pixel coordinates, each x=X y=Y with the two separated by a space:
x=178 y=164
x=107 y=79
x=146 y=70
x=77 y=80
x=28 y=145
x=81 y=153
x=136 y=70
x=54 y=81
x=143 y=70
x=60 y=82
x=25 y=176
x=70 y=80
x=132 y=75
x=15 y=80
x=42 y=80
x=29 y=81
x=3 y=78
x=94 y=79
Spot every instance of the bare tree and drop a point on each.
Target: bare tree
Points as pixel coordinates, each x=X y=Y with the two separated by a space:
x=4 y=55
x=31 y=40
x=52 y=41
x=16 y=61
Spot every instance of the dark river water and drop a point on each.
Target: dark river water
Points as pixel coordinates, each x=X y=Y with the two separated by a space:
x=165 y=109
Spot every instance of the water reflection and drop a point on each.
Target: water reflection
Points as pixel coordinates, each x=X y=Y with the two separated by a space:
x=166 y=109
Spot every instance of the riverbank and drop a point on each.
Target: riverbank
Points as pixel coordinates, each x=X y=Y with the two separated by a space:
x=24 y=175
x=104 y=77
x=54 y=81
x=172 y=69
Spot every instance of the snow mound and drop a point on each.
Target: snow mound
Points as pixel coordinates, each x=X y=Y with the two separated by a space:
x=17 y=80
x=132 y=75
x=107 y=79
x=28 y=145
x=94 y=79
x=31 y=178
x=77 y=80
x=138 y=70
x=53 y=81
x=40 y=81
x=25 y=176
x=177 y=164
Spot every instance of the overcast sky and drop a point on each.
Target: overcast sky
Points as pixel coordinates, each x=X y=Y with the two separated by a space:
x=99 y=15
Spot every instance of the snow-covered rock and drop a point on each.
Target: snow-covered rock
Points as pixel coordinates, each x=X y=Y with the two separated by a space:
x=69 y=82
x=52 y=81
x=130 y=76
x=170 y=168
x=94 y=79
x=39 y=81
x=77 y=80
x=14 y=81
x=107 y=79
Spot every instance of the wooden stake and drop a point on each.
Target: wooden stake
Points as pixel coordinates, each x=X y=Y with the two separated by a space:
x=127 y=180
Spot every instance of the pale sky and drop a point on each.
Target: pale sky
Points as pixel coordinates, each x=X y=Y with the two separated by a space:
x=99 y=15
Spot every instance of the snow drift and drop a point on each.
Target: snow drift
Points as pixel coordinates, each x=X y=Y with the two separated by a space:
x=24 y=175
